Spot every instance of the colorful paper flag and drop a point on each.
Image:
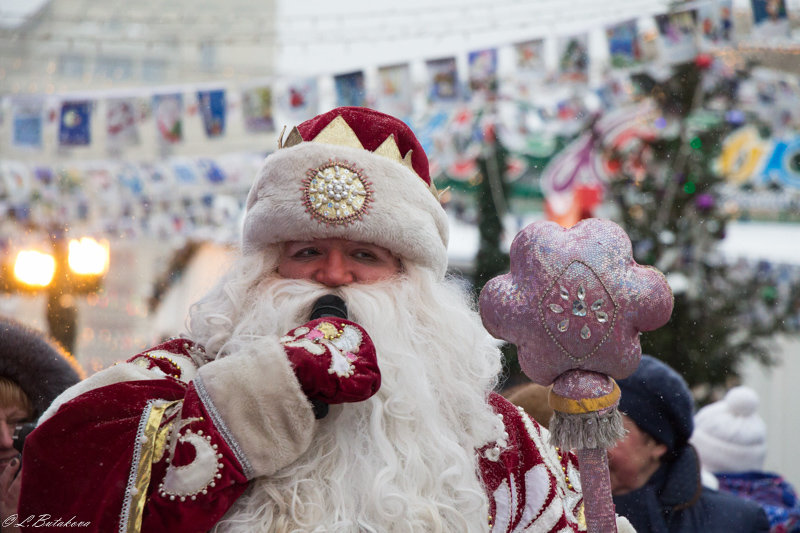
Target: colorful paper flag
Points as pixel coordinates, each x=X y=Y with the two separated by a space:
x=395 y=91
x=122 y=128
x=257 y=110
x=300 y=101
x=530 y=56
x=482 y=70
x=573 y=58
x=442 y=80
x=75 y=124
x=715 y=20
x=350 y=89
x=678 y=35
x=531 y=69
x=27 y=121
x=770 y=19
x=168 y=116
x=212 y=109
x=623 y=44
x=16 y=180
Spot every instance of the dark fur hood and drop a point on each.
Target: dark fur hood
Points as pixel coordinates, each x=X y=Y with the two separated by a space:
x=39 y=365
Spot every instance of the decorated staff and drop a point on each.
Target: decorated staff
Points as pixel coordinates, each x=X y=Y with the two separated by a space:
x=574 y=303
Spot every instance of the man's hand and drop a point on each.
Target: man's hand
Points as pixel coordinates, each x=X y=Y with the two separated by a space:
x=9 y=491
x=334 y=360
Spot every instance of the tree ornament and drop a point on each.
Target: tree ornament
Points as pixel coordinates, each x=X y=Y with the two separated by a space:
x=703 y=61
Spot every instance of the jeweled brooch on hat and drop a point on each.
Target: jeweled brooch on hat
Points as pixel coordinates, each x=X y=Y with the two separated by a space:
x=336 y=192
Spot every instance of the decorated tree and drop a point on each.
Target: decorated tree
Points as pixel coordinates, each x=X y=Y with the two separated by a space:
x=669 y=198
x=491 y=194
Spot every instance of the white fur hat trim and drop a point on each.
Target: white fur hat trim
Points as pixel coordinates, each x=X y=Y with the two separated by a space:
x=394 y=208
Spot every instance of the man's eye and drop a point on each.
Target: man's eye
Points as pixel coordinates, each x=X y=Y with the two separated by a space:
x=365 y=255
x=306 y=252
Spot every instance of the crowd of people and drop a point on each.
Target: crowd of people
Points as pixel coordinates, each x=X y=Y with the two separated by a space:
x=336 y=379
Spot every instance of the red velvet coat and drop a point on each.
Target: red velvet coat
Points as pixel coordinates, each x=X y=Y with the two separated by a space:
x=157 y=455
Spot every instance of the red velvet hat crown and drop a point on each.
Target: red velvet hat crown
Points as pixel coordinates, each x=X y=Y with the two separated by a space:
x=373 y=128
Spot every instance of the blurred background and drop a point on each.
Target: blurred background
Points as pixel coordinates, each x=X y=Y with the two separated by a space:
x=130 y=134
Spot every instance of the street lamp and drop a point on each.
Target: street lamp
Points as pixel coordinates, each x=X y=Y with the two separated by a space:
x=34 y=269
x=69 y=268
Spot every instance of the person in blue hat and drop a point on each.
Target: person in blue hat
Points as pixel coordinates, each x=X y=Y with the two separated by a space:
x=655 y=472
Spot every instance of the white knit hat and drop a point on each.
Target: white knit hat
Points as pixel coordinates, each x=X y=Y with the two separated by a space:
x=351 y=173
x=729 y=435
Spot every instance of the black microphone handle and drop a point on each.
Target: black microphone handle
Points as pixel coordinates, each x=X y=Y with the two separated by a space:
x=329 y=305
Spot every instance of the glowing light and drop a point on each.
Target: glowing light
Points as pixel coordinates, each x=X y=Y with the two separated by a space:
x=34 y=268
x=88 y=256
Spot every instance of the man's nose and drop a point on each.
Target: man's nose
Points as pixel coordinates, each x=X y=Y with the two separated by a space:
x=335 y=270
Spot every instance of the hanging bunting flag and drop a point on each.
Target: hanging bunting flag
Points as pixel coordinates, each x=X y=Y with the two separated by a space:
x=212 y=172
x=716 y=22
x=185 y=170
x=394 y=93
x=623 y=44
x=168 y=116
x=212 y=109
x=27 y=120
x=531 y=65
x=257 y=110
x=770 y=20
x=350 y=89
x=300 y=100
x=482 y=71
x=122 y=128
x=573 y=58
x=131 y=180
x=678 y=35
x=530 y=57
x=442 y=80
x=16 y=181
x=74 y=127
x=531 y=69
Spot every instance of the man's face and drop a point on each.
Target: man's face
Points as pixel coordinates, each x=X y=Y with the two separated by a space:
x=10 y=417
x=336 y=262
x=633 y=459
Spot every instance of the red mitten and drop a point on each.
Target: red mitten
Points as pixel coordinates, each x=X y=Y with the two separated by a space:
x=334 y=360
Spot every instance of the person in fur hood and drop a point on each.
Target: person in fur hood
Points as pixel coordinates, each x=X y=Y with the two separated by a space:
x=335 y=379
x=33 y=371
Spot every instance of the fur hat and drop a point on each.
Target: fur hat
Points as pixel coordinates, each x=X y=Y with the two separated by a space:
x=40 y=366
x=350 y=173
x=658 y=400
x=729 y=435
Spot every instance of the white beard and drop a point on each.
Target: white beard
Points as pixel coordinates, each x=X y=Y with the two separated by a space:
x=405 y=459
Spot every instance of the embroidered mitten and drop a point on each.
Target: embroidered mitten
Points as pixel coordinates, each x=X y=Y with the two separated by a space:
x=334 y=360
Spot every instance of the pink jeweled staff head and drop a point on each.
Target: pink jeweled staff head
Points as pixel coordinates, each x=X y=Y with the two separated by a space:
x=574 y=303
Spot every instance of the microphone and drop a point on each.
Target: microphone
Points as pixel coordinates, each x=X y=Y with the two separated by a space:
x=328 y=305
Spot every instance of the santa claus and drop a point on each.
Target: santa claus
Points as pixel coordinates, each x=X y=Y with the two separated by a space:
x=376 y=415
